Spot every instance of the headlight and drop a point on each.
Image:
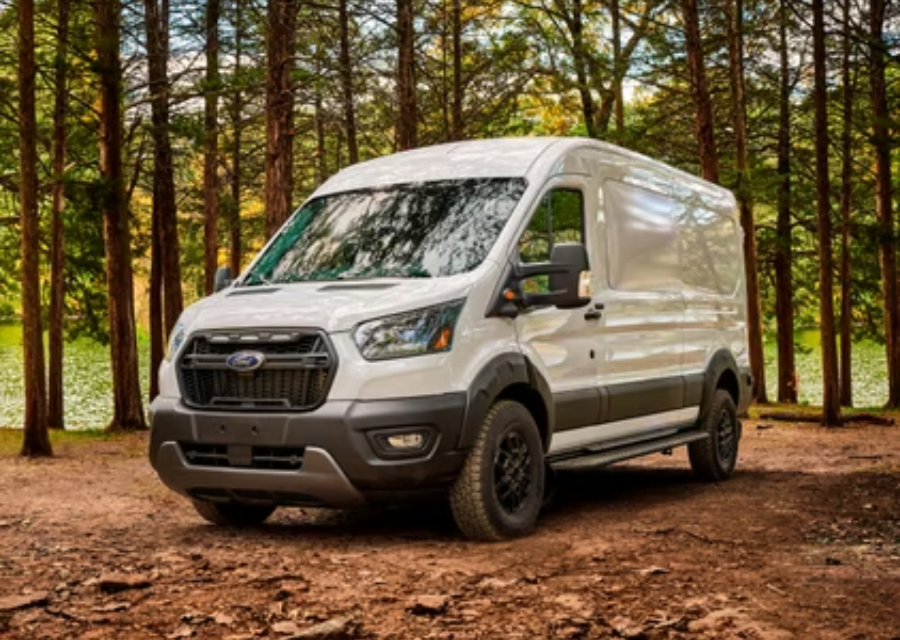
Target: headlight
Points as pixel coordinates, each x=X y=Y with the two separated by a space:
x=414 y=333
x=176 y=339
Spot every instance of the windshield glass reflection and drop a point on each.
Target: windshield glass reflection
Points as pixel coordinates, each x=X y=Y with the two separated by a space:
x=420 y=230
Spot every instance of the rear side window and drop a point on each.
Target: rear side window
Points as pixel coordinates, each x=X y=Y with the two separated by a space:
x=558 y=218
x=710 y=243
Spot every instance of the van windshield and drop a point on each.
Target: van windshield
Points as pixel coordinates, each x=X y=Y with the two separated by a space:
x=420 y=230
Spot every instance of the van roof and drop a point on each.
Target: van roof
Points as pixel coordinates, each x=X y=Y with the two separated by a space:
x=493 y=158
x=530 y=157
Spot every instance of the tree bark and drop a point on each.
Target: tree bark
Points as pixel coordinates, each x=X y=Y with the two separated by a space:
x=165 y=271
x=280 y=45
x=881 y=142
x=407 y=112
x=846 y=377
x=831 y=408
x=211 y=156
x=784 y=294
x=157 y=335
x=709 y=161
x=615 y=10
x=456 y=108
x=319 y=118
x=734 y=20
x=237 y=107
x=36 y=441
x=55 y=395
x=588 y=108
x=346 y=69
x=128 y=411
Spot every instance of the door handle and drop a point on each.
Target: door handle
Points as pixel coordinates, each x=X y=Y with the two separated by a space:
x=595 y=312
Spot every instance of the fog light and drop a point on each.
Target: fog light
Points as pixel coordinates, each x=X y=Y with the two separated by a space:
x=406 y=441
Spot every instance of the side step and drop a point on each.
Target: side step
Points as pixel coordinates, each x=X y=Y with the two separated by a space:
x=629 y=451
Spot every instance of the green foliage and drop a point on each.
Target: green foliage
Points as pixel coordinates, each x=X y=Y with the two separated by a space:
x=86 y=382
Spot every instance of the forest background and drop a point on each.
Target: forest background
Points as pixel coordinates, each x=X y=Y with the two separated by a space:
x=144 y=144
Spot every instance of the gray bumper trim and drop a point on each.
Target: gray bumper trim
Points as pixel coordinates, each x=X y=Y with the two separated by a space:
x=320 y=478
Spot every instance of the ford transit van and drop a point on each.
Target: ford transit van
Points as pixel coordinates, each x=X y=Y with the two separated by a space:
x=456 y=321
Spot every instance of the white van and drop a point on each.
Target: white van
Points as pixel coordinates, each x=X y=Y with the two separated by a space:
x=457 y=320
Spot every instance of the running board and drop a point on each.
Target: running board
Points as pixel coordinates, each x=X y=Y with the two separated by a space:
x=627 y=452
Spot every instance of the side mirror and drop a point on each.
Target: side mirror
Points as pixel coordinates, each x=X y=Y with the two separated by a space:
x=567 y=262
x=223 y=279
x=565 y=286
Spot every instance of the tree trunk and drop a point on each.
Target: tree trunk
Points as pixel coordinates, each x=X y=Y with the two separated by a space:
x=617 y=67
x=211 y=157
x=831 y=407
x=319 y=118
x=445 y=72
x=784 y=294
x=846 y=377
x=157 y=335
x=237 y=107
x=579 y=55
x=709 y=161
x=347 y=83
x=171 y=245
x=280 y=45
x=128 y=411
x=165 y=255
x=36 y=441
x=55 y=403
x=881 y=142
x=734 y=20
x=456 y=108
x=407 y=115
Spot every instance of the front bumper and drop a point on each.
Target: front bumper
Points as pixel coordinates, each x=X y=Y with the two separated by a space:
x=342 y=464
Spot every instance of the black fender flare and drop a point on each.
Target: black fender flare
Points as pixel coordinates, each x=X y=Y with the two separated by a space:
x=721 y=362
x=500 y=373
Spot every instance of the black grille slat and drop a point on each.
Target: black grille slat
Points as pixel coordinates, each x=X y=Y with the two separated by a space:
x=296 y=374
x=216 y=455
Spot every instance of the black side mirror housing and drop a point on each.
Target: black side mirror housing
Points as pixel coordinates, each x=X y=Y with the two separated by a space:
x=567 y=262
x=566 y=285
x=223 y=279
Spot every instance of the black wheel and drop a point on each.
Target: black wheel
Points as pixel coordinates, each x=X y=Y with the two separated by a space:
x=499 y=493
x=233 y=514
x=714 y=458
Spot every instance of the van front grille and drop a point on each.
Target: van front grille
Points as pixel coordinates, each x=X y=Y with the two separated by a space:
x=293 y=372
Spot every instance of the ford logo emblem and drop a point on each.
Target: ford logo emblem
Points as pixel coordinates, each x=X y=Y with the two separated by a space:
x=245 y=361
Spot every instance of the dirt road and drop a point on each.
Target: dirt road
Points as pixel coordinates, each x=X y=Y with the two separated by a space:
x=804 y=542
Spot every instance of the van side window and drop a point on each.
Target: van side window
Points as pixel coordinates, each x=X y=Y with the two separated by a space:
x=558 y=218
x=643 y=243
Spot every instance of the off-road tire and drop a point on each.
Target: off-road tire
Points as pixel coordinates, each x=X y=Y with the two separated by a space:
x=714 y=458
x=478 y=510
x=233 y=514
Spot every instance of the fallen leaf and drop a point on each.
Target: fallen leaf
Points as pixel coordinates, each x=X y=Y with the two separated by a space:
x=115 y=582
x=286 y=628
x=113 y=607
x=182 y=632
x=335 y=629
x=427 y=605
x=14 y=603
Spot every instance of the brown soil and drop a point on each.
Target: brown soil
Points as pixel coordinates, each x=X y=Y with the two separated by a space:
x=803 y=542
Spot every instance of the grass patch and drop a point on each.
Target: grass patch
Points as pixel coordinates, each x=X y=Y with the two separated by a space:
x=11 y=439
x=87 y=381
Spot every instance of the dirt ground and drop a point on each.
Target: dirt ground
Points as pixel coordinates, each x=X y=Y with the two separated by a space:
x=803 y=542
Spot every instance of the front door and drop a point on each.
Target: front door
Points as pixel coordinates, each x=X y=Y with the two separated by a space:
x=563 y=343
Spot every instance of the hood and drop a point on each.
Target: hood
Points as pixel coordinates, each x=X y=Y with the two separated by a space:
x=333 y=306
